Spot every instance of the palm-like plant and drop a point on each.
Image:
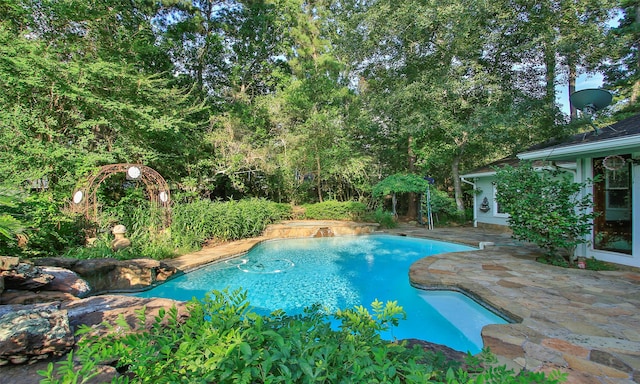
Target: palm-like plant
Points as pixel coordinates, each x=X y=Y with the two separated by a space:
x=9 y=225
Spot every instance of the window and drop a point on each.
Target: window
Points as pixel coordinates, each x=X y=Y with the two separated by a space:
x=613 y=228
x=497 y=209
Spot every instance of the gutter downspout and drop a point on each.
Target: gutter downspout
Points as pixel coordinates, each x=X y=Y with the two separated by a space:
x=475 y=201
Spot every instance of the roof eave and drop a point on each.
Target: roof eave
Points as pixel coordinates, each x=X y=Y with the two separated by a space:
x=480 y=174
x=619 y=144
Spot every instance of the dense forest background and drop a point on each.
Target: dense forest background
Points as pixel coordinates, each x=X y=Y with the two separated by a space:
x=296 y=101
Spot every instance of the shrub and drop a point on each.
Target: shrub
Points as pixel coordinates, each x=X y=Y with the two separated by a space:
x=196 y=222
x=443 y=207
x=45 y=229
x=335 y=210
x=545 y=207
x=9 y=225
x=156 y=246
x=222 y=341
x=144 y=225
x=386 y=219
x=192 y=225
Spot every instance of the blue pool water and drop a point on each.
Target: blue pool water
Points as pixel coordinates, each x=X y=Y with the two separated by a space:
x=342 y=272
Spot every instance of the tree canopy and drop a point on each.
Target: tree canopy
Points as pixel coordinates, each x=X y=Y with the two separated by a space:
x=295 y=101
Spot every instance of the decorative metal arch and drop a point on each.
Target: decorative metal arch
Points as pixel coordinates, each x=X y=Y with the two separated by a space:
x=84 y=198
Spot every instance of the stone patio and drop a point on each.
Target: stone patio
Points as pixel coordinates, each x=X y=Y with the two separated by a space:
x=585 y=323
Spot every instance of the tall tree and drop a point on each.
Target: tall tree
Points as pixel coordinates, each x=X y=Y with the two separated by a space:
x=80 y=90
x=622 y=70
x=317 y=100
x=432 y=82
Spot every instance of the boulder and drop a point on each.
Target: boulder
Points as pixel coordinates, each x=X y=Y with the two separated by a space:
x=112 y=275
x=8 y=262
x=95 y=310
x=25 y=276
x=33 y=332
x=66 y=281
x=30 y=297
x=62 y=262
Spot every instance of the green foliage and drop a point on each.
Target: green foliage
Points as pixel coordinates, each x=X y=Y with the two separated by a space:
x=262 y=93
x=492 y=373
x=594 y=264
x=400 y=183
x=386 y=219
x=196 y=222
x=48 y=231
x=441 y=205
x=223 y=341
x=9 y=225
x=335 y=210
x=545 y=207
x=591 y=263
x=192 y=225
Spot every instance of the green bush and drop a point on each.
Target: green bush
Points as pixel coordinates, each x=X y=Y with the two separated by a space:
x=10 y=226
x=145 y=229
x=335 y=210
x=46 y=229
x=223 y=341
x=443 y=207
x=382 y=217
x=194 y=223
x=152 y=245
x=546 y=208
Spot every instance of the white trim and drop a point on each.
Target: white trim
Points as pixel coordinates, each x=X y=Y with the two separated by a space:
x=635 y=213
x=609 y=256
x=475 y=200
x=618 y=144
x=495 y=205
x=475 y=175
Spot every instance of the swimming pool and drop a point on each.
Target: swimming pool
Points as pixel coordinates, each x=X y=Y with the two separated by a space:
x=342 y=272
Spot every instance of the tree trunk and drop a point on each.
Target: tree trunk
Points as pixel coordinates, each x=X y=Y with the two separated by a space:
x=573 y=112
x=412 y=210
x=319 y=183
x=550 y=74
x=393 y=204
x=455 y=171
x=635 y=90
x=457 y=185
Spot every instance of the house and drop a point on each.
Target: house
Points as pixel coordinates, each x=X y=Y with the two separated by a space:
x=612 y=152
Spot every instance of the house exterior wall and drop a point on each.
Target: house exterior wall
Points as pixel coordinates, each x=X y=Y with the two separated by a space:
x=484 y=185
x=485 y=188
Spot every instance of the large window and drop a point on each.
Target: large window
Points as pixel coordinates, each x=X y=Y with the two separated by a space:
x=612 y=199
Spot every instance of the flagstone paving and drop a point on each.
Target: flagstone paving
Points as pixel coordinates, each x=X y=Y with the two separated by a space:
x=584 y=323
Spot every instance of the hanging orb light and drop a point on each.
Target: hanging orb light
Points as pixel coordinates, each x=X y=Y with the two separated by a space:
x=613 y=162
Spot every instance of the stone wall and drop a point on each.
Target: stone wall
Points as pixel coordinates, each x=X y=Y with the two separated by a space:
x=111 y=275
x=43 y=302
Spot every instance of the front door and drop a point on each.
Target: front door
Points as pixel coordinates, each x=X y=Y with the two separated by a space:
x=612 y=199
